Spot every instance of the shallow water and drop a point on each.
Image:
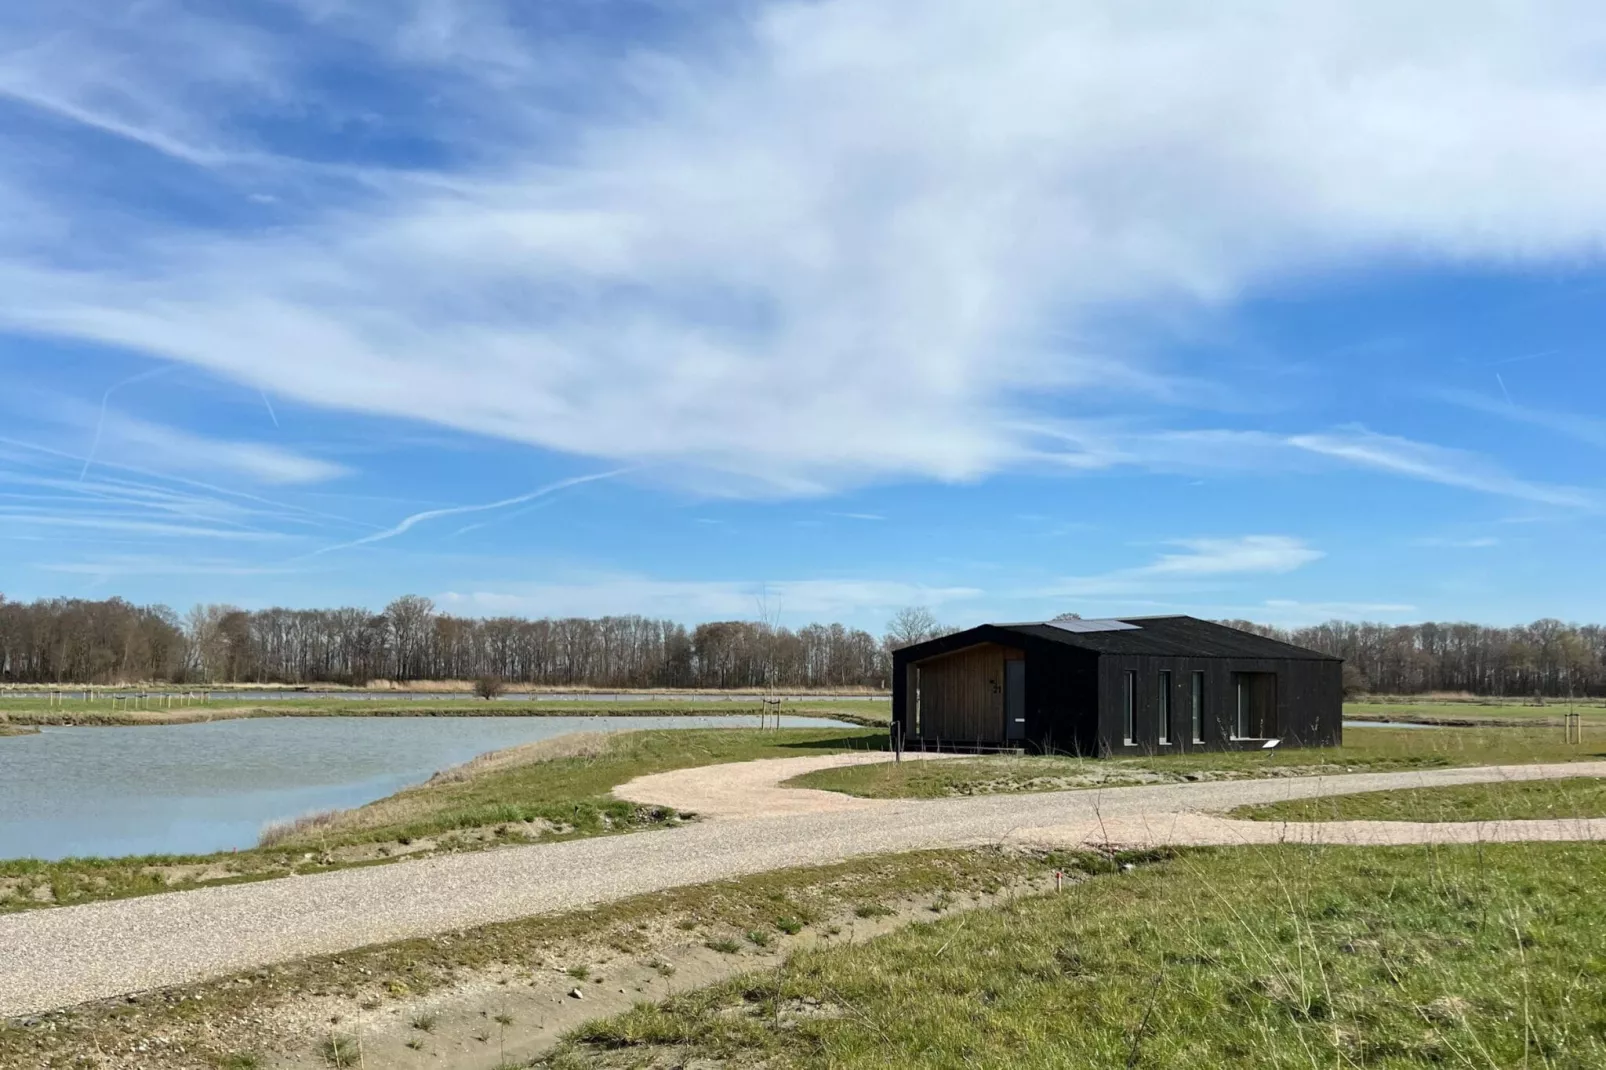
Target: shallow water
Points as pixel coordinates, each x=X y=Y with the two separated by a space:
x=198 y=788
x=1389 y=724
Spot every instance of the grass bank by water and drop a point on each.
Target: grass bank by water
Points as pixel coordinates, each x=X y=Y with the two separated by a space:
x=1519 y=800
x=1286 y=956
x=555 y=789
x=16 y=729
x=1364 y=750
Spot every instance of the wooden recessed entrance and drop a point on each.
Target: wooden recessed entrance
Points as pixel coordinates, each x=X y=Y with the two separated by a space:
x=974 y=696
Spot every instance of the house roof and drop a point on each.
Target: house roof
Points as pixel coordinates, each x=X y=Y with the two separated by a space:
x=1161 y=636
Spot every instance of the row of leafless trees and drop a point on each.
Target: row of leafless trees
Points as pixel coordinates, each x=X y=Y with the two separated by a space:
x=76 y=641
x=1546 y=657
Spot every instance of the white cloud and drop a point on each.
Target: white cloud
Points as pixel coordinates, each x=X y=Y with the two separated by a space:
x=1247 y=553
x=1586 y=429
x=172 y=449
x=1480 y=542
x=848 y=240
x=1233 y=451
x=699 y=599
x=1199 y=559
x=1437 y=464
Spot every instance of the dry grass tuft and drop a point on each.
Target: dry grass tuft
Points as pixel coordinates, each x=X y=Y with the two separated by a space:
x=277 y=832
x=573 y=745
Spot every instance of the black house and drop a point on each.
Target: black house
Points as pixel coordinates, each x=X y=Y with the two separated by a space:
x=1137 y=685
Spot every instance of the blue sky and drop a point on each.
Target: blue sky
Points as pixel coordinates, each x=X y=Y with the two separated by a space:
x=806 y=310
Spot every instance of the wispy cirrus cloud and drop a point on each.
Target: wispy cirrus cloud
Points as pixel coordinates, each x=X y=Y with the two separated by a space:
x=701 y=599
x=1438 y=464
x=1198 y=559
x=728 y=258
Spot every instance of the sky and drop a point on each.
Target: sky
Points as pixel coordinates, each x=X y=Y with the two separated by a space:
x=713 y=309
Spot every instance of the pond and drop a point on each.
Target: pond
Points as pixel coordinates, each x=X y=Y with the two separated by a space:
x=1389 y=724
x=198 y=788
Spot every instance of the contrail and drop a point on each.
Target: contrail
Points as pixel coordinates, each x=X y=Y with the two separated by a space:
x=100 y=423
x=271 y=414
x=1503 y=390
x=434 y=514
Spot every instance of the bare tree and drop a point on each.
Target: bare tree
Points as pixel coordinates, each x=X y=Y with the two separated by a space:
x=911 y=625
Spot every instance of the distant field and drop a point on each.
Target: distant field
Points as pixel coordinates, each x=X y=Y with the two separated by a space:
x=1486 y=711
x=102 y=710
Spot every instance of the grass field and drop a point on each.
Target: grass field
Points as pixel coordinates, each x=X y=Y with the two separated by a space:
x=1487 y=956
x=234 y=1021
x=1365 y=750
x=101 y=711
x=1480 y=712
x=556 y=789
x=1510 y=801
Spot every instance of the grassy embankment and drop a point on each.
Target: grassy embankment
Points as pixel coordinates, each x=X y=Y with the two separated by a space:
x=1364 y=750
x=396 y=1002
x=1478 y=956
x=101 y=710
x=1519 y=800
x=556 y=789
x=16 y=729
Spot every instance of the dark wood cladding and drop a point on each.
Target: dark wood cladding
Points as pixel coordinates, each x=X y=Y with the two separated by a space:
x=1075 y=697
x=1308 y=695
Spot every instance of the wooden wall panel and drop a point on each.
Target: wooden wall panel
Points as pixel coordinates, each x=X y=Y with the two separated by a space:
x=962 y=695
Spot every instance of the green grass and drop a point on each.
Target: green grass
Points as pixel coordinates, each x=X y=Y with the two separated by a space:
x=230 y=1014
x=1295 y=957
x=1516 y=800
x=1364 y=750
x=558 y=798
x=1473 y=712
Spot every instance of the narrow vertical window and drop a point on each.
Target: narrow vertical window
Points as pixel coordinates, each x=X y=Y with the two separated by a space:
x=1130 y=729
x=1243 y=708
x=1164 y=708
x=1198 y=707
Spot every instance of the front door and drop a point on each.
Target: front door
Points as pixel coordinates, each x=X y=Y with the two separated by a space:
x=1015 y=700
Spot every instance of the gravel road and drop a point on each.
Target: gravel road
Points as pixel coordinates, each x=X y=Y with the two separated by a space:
x=56 y=958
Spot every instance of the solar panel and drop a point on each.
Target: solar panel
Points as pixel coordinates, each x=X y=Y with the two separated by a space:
x=1082 y=626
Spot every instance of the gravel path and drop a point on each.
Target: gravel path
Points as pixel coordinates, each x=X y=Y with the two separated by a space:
x=56 y=958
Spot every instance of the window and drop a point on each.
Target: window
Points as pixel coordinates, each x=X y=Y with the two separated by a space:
x=1198 y=707
x=1130 y=730
x=1165 y=708
x=1241 y=730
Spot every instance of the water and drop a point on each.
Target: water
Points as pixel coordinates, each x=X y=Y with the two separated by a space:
x=1389 y=724
x=198 y=788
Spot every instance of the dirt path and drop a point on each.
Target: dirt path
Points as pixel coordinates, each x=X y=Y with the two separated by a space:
x=753 y=789
x=56 y=958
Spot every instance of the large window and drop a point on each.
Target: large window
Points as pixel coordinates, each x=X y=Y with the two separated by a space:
x=1198 y=707
x=1130 y=729
x=1164 y=708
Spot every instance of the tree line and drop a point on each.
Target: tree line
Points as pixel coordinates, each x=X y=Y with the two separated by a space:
x=77 y=641
x=62 y=641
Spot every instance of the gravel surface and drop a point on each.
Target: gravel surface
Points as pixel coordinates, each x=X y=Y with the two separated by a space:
x=56 y=958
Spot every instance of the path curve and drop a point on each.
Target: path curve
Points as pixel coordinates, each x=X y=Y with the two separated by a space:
x=753 y=789
x=64 y=956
